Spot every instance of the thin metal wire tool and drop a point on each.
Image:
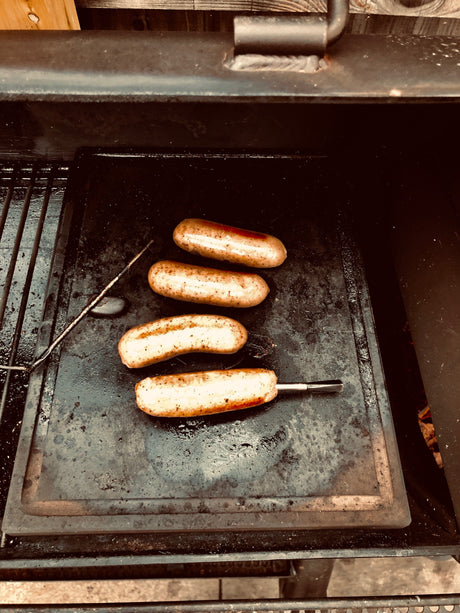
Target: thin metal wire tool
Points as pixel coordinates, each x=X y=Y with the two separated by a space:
x=44 y=356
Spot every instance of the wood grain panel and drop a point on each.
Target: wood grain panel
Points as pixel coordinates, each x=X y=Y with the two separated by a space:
x=401 y=26
x=222 y=21
x=422 y=8
x=38 y=15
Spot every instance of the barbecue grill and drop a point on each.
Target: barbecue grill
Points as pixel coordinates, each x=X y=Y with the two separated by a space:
x=109 y=140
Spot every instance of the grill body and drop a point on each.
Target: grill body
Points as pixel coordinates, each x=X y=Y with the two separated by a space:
x=383 y=103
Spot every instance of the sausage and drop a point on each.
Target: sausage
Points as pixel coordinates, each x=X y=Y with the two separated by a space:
x=207 y=285
x=222 y=242
x=166 y=338
x=205 y=393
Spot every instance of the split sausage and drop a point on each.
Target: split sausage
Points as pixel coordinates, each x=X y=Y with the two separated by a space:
x=166 y=338
x=205 y=393
x=207 y=285
x=236 y=245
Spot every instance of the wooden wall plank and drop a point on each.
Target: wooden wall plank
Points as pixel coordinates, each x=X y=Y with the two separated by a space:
x=400 y=26
x=222 y=21
x=38 y=15
x=424 y=8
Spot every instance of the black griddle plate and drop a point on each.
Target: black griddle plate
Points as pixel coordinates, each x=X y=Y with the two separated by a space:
x=90 y=462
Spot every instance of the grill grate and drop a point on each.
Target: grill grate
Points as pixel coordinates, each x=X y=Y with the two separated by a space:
x=31 y=197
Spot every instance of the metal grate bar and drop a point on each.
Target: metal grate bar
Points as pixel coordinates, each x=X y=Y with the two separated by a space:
x=31 y=202
x=27 y=286
x=17 y=243
x=6 y=204
x=16 y=175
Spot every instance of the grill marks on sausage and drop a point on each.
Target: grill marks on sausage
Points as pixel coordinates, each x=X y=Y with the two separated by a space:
x=172 y=324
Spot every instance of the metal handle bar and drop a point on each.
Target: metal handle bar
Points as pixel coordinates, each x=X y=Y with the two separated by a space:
x=292 y=34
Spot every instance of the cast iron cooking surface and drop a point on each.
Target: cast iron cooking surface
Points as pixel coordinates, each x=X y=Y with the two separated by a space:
x=90 y=461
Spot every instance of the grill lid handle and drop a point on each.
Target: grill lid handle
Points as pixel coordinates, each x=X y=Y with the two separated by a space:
x=290 y=34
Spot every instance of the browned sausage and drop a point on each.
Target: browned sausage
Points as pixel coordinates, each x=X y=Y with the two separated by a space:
x=236 y=245
x=171 y=336
x=207 y=285
x=205 y=393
